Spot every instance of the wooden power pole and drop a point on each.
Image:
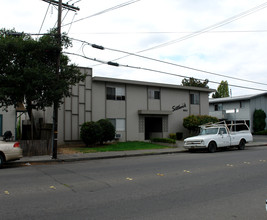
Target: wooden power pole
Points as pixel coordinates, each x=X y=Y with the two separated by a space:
x=56 y=102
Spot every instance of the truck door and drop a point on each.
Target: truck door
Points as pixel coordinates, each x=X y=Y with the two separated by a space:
x=224 y=138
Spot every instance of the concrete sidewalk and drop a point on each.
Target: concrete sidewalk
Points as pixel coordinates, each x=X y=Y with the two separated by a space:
x=108 y=155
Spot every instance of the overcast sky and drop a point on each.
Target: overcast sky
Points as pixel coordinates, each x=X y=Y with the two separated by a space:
x=224 y=38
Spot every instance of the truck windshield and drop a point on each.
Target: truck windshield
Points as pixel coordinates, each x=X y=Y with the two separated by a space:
x=206 y=131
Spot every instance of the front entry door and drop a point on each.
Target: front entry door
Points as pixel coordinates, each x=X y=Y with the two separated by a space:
x=152 y=125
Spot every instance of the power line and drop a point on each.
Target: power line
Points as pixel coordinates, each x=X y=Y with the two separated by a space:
x=171 y=32
x=204 y=30
x=169 y=63
x=157 y=71
x=71 y=22
x=105 y=11
x=44 y=18
x=212 y=27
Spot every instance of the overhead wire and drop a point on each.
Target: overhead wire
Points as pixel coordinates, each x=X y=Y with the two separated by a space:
x=71 y=22
x=165 y=62
x=204 y=30
x=76 y=2
x=157 y=71
x=105 y=11
x=212 y=27
x=44 y=18
x=171 y=32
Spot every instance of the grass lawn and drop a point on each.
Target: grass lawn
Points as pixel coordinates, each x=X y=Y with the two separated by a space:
x=121 y=146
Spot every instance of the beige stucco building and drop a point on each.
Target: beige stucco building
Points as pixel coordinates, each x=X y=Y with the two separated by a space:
x=139 y=110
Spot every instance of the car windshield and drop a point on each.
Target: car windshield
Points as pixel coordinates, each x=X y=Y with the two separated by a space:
x=206 y=131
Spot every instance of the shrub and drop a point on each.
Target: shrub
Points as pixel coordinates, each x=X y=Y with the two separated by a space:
x=259 y=120
x=108 y=130
x=172 y=136
x=164 y=140
x=193 y=122
x=91 y=133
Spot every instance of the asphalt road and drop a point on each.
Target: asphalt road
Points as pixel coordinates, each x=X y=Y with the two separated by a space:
x=224 y=185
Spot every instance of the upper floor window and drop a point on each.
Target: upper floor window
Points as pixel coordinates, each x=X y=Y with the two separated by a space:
x=218 y=107
x=154 y=93
x=194 y=98
x=115 y=93
x=242 y=104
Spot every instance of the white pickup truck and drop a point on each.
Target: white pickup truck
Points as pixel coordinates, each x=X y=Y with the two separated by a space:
x=213 y=136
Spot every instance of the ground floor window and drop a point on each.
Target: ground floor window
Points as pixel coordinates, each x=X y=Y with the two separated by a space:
x=118 y=123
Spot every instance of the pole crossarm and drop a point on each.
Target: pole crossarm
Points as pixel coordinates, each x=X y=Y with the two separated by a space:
x=64 y=5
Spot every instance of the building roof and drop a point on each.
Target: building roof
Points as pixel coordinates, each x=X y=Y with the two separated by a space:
x=162 y=85
x=236 y=98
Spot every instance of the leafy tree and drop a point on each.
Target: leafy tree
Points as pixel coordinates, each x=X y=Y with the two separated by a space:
x=195 y=82
x=28 y=70
x=91 y=133
x=259 y=120
x=193 y=122
x=222 y=90
x=108 y=130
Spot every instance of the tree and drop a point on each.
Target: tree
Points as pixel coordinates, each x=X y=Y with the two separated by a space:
x=259 y=120
x=193 y=122
x=108 y=129
x=222 y=90
x=195 y=82
x=28 y=70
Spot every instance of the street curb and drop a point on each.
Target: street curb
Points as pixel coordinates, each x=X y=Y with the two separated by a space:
x=59 y=160
x=94 y=158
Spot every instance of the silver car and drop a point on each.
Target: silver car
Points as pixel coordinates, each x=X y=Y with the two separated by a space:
x=9 y=151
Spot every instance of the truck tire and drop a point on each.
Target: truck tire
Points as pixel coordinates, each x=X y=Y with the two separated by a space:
x=242 y=145
x=212 y=147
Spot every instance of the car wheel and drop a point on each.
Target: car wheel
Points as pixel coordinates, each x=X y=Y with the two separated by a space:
x=242 y=145
x=1 y=160
x=212 y=147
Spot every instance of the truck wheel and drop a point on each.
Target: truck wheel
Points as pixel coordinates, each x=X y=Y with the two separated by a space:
x=212 y=147
x=242 y=145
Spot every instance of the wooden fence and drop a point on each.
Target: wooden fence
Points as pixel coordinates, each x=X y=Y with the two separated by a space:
x=36 y=147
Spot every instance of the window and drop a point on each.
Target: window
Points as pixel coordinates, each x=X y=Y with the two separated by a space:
x=115 y=93
x=222 y=131
x=218 y=107
x=118 y=123
x=194 y=98
x=153 y=94
x=242 y=104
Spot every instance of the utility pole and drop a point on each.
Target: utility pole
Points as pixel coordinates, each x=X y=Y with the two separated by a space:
x=56 y=102
x=55 y=107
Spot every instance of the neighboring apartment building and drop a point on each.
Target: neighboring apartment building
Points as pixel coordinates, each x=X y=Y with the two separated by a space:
x=139 y=110
x=240 y=108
